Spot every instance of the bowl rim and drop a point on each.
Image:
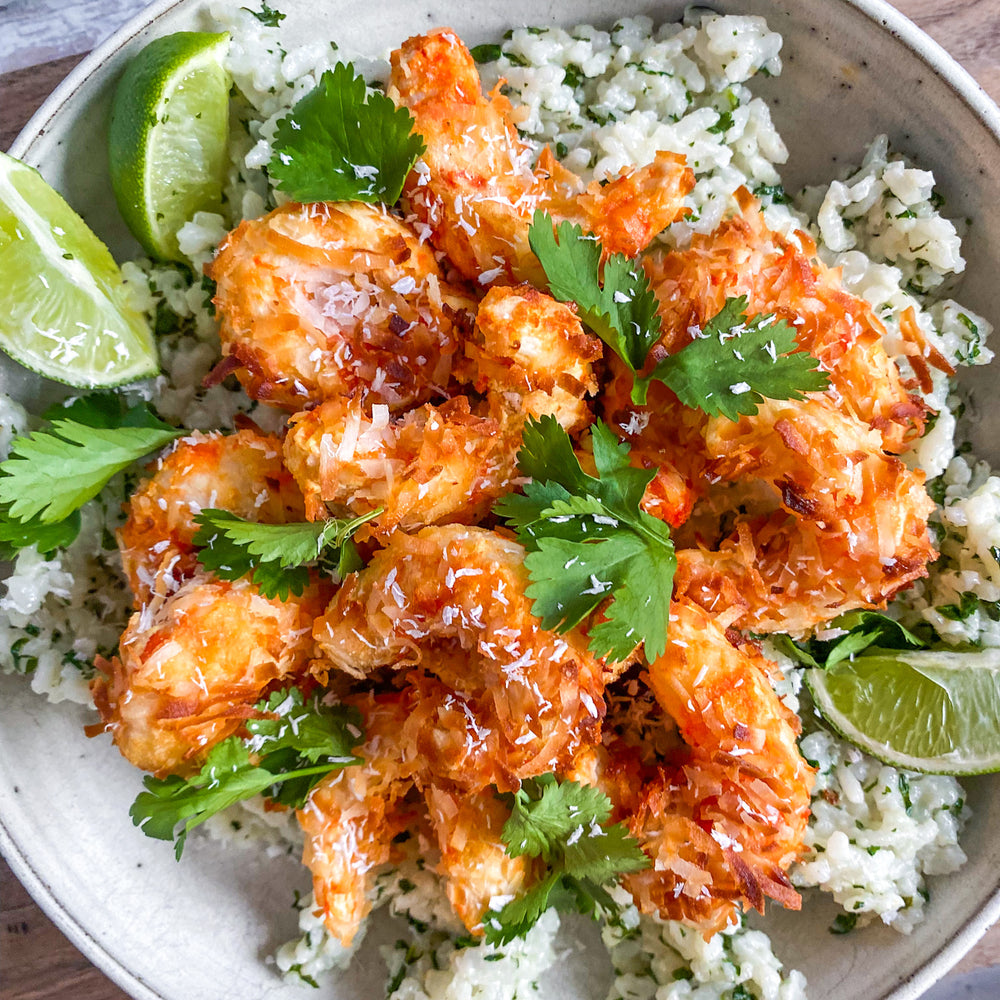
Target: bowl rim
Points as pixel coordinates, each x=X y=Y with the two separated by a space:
x=884 y=18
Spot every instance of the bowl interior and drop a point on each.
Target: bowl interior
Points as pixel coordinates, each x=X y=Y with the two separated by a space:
x=199 y=930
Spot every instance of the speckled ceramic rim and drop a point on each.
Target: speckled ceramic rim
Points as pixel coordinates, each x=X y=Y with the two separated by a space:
x=883 y=17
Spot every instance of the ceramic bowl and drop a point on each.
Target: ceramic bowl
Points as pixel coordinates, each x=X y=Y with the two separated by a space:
x=200 y=930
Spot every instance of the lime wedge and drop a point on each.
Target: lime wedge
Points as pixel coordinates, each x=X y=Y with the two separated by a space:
x=63 y=304
x=930 y=711
x=168 y=134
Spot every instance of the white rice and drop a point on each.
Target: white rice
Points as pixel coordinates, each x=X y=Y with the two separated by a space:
x=876 y=832
x=665 y=960
x=249 y=824
x=634 y=91
x=432 y=967
x=603 y=100
x=960 y=600
x=436 y=960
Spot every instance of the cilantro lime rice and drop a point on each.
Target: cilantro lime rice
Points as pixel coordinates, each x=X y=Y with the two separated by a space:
x=602 y=100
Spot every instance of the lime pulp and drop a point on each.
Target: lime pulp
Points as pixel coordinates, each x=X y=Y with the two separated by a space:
x=932 y=711
x=65 y=311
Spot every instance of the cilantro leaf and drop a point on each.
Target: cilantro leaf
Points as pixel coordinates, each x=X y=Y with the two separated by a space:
x=545 y=812
x=50 y=474
x=275 y=554
x=267 y=15
x=486 y=53
x=621 y=311
x=315 y=734
x=738 y=362
x=642 y=596
x=570 y=577
x=46 y=538
x=601 y=853
x=108 y=410
x=348 y=558
x=344 y=143
x=227 y=777
x=302 y=735
x=865 y=630
x=521 y=913
x=564 y=824
x=279 y=754
x=589 y=542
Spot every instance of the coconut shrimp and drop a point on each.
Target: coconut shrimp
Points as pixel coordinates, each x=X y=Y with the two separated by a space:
x=432 y=464
x=192 y=665
x=838 y=521
x=475 y=186
x=744 y=257
x=242 y=473
x=445 y=463
x=832 y=523
x=329 y=299
x=353 y=814
x=450 y=601
x=532 y=352
x=478 y=872
x=723 y=817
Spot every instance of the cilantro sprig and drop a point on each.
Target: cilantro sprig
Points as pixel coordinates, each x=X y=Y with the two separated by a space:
x=269 y=16
x=284 y=753
x=589 y=542
x=276 y=555
x=342 y=142
x=621 y=310
x=865 y=630
x=50 y=474
x=566 y=825
x=737 y=361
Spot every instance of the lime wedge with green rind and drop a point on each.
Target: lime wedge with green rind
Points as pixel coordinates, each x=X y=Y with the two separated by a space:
x=168 y=135
x=932 y=711
x=64 y=309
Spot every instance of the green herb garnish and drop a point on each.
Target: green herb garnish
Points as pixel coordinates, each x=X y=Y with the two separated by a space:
x=342 y=142
x=589 y=542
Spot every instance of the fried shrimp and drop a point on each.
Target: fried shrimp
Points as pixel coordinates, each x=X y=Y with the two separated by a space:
x=843 y=525
x=533 y=354
x=323 y=300
x=723 y=817
x=445 y=463
x=450 y=601
x=192 y=665
x=352 y=816
x=743 y=257
x=479 y=874
x=839 y=521
x=724 y=825
x=475 y=186
x=851 y=531
x=242 y=473
x=435 y=463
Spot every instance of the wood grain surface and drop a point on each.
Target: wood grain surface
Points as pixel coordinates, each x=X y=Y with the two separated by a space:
x=36 y=961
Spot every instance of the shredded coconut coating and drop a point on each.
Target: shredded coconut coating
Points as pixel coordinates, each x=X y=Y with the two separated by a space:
x=324 y=300
x=476 y=188
x=192 y=665
x=242 y=473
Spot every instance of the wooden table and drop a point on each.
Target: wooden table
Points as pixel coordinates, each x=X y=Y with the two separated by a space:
x=36 y=961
